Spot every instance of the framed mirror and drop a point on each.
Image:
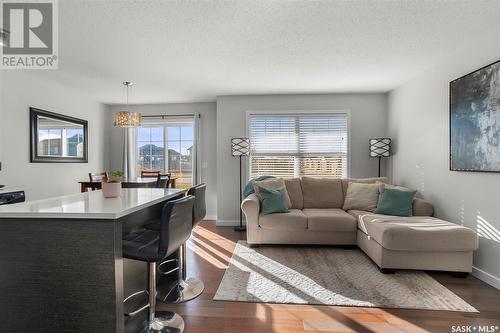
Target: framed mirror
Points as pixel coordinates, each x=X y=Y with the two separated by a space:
x=56 y=138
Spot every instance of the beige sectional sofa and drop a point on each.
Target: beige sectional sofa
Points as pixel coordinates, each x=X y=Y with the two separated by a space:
x=316 y=217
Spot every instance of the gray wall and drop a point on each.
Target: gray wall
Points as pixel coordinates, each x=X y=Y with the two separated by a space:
x=21 y=89
x=418 y=123
x=368 y=119
x=207 y=140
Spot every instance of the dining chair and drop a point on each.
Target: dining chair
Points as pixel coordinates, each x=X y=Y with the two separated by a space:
x=150 y=174
x=163 y=181
x=98 y=177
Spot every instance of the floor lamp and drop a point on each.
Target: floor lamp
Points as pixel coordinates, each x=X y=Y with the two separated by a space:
x=240 y=147
x=380 y=147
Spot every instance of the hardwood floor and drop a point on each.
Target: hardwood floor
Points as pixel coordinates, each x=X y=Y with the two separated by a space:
x=209 y=251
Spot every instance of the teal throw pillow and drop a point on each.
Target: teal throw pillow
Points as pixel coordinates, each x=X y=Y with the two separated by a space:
x=395 y=202
x=249 y=187
x=273 y=201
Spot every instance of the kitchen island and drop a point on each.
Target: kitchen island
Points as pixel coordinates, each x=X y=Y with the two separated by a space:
x=61 y=264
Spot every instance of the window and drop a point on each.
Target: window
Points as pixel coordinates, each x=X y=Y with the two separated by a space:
x=294 y=145
x=151 y=146
x=167 y=145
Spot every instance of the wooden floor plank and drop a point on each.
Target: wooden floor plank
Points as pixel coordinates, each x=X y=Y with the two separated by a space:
x=210 y=250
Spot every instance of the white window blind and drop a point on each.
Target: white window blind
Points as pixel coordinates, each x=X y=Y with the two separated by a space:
x=296 y=145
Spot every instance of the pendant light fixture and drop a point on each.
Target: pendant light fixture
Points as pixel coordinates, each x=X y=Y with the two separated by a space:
x=127 y=118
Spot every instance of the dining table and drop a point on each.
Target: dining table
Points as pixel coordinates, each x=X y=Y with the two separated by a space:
x=135 y=182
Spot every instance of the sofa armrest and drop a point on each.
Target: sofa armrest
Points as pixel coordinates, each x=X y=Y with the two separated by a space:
x=251 y=208
x=422 y=207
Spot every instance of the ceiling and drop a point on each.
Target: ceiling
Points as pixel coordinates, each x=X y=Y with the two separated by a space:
x=179 y=51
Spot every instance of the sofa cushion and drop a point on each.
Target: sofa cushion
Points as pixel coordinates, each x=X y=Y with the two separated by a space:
x=249 y=186
x=394 y=187
x=271 y=184
x=422 y=207
x=361 y=196
x=416 y=233
x=395 y=202
x=295 y=219
x=356 y=213
x=294 y=190
x=346 y=181
x=273 y=201
x=322 y=192
x=329 y=219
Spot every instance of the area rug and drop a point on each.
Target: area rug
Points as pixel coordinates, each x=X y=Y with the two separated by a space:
x=328 y=276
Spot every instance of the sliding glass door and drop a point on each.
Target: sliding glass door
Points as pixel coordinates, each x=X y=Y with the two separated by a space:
x=168 y=145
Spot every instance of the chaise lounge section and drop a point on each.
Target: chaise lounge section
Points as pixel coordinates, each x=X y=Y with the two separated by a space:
x=316 y=217
x=416 y=242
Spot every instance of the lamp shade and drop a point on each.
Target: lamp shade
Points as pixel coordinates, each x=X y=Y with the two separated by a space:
x=380 y=147
x=240 y=146
x=127 y=119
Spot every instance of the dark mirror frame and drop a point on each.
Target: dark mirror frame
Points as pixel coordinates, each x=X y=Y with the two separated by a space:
x=34 y=158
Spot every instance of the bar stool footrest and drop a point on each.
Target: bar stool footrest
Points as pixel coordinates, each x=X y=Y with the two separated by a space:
x=134 y=296
x=162 y=272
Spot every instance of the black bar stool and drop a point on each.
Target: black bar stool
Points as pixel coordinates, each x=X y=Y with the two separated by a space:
x=187 y=289
x=153 y=245
x=191 y=287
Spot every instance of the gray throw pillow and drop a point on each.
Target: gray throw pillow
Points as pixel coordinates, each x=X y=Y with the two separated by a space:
x=272 y=184
x=393 y=187
x=361 y=196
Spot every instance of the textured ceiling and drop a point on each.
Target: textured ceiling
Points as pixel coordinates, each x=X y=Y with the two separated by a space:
x=177 y=51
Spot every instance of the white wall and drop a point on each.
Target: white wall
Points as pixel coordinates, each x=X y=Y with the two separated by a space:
x=368 y=119
x=419 y=125
x=207 y=141
x=22 y=89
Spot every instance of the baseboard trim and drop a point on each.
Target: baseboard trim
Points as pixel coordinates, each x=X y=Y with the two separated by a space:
x=228 y=223
x=486 y=277
x=210 y=217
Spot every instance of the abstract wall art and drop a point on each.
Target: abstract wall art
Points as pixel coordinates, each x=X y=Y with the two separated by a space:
x=475 y=121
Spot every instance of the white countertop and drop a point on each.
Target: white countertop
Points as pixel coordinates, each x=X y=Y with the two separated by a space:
x=89 y=205
x=8 y=189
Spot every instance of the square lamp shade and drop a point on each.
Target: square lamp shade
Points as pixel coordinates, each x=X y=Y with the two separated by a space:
x=240 y=146
x=380 y=147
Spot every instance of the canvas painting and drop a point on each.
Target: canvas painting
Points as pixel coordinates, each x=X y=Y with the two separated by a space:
x=475 y=121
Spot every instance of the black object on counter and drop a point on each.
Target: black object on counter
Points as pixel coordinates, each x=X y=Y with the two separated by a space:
x=12 y=197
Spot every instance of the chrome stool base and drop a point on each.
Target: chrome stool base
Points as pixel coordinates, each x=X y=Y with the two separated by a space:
x=164 y=322
x=186 y=290
x=189 y=289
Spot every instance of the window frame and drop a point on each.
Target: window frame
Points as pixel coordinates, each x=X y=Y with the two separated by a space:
x=150 y=142
x=347 y=112
x=36 y=158
x=178 y=121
